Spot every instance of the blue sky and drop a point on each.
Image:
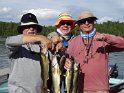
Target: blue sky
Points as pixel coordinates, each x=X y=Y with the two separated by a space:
x=47 y=10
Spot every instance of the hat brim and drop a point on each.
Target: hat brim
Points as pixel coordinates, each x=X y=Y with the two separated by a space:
x=19 y=28
x=66 y=19
x=86 y=18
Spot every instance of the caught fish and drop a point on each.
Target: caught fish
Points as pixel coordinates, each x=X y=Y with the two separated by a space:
x=69 y=77
x=44 y=70
x=61 y=64
x=55 y=75
x=62 y=69
x=75 y=77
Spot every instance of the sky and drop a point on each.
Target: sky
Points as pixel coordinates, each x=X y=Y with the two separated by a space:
x=47 y=11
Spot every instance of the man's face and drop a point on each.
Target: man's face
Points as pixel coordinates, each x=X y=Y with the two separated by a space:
x=65 y=26
x=86 y=25
x=30 y=29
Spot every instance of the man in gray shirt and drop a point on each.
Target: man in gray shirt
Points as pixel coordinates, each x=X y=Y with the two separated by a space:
x=24 y=58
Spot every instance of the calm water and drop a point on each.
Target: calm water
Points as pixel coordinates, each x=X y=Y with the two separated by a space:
x=3 y=54
x=114 y=58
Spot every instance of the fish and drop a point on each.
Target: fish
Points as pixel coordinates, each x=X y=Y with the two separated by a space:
x=62 y=69
x=69 y=78
x=75 y=77
x=61 y=64
x=55 y=70
x=44 y=69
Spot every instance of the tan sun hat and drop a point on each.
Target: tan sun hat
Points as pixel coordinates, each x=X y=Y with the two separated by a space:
x=65 y=16
x=86 y=14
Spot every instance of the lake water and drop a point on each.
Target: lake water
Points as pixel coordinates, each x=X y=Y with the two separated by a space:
x=117 y=57
x=3 y=54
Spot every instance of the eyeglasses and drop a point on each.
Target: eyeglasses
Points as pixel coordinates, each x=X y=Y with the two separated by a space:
x=67 y=23
x=89 y=20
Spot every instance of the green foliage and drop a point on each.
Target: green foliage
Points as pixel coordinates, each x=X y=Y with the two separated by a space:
x=76 y=31
x=47 y=29
x=7 y=29
x=109 y=27
x=116 y=28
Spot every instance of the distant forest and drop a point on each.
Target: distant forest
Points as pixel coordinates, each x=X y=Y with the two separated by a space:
x=116 y=28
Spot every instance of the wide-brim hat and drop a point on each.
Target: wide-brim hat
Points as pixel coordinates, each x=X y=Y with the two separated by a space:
x=29 y=19
x=85 y=15
x=65 y=16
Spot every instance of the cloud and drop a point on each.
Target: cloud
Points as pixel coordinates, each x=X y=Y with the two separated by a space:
x=4 y=10
x=105 y=19
x=5 y=14
x=47 y=11
x=45 y=16
x=43 y=13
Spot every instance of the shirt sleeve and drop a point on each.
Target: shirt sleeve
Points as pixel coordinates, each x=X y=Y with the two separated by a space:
x=13 y=42
x=116 y=43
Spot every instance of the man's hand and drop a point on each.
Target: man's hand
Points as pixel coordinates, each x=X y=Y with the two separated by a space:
x=67 y=64
x=59 y=46
x=47 y=43
x=57 y=41
x=99 y=37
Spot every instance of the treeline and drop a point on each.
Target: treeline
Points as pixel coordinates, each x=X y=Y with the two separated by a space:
x=116 y=28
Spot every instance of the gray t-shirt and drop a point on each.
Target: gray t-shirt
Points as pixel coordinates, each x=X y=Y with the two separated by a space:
x=25 y=69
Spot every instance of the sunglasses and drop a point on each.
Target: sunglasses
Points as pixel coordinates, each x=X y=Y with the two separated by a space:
x=67 y=23
x=89 y=20
x=29 y=26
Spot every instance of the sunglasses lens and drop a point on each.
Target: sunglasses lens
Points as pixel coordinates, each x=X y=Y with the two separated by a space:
x=67 y=23
x=82 y=21
x=89 y=20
